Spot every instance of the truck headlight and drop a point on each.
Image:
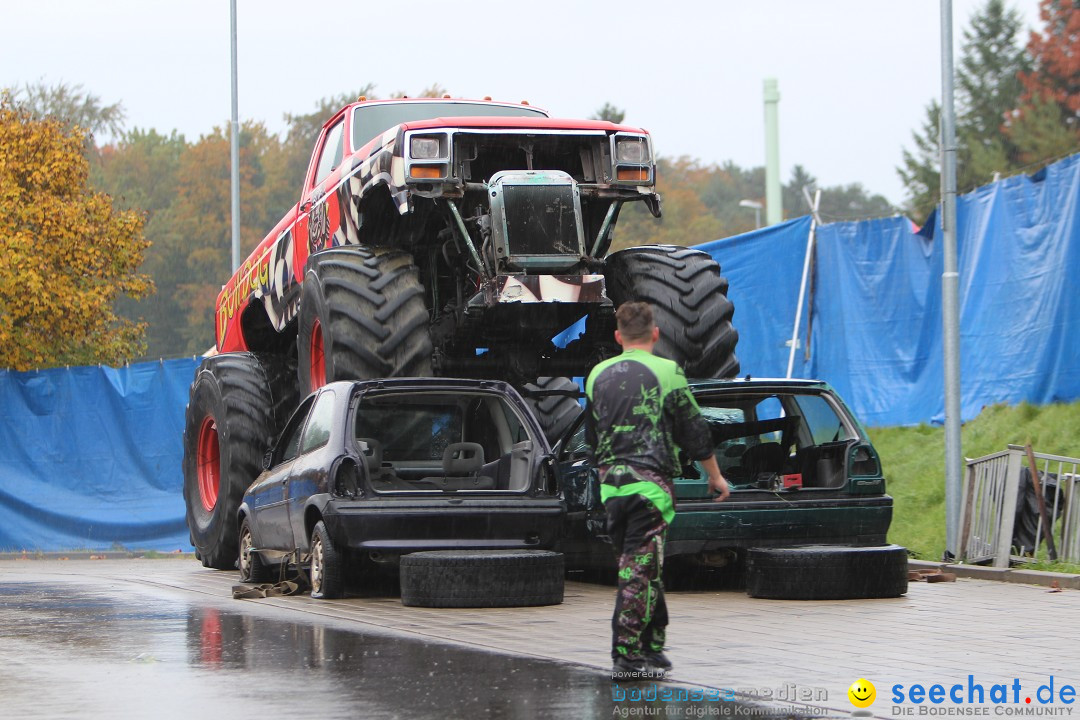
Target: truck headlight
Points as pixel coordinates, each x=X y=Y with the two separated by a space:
x=426 y=147
x=632 y=150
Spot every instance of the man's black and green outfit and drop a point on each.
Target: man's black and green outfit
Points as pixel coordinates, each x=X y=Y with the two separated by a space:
x=640 y=414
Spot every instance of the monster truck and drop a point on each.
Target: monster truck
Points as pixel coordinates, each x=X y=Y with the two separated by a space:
x=438 y=237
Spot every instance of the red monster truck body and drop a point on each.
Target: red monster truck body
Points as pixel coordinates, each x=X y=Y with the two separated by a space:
x=439 y=237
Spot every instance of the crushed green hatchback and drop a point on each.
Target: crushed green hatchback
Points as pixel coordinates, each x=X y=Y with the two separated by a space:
x=801 y=468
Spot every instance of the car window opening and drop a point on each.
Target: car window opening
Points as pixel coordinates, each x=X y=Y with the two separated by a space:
x=761 y=438
x=443 y=442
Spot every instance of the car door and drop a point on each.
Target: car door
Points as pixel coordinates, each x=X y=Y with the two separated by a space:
x=310 y=469
x=267 y=497
x=319 y=208
x=580 y=484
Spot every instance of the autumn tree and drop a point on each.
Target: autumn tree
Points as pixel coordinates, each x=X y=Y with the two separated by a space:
x=303 y=130
x=192 y=257
x=68 y=253
x=1047 y=125
x=140 y=173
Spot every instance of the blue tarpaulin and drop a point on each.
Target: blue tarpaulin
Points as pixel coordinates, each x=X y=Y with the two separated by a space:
x=876 y=306
x=90 y=457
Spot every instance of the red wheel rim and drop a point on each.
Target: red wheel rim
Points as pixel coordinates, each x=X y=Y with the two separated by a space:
x=209 y=459
x=318 y=357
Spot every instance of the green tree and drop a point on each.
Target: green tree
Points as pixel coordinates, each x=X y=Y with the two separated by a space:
x=839 y=202
x=610 y=113
x=68 y=253
x=988 y=90
x=73 y=106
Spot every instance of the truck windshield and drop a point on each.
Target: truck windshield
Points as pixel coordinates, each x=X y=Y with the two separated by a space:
x=370 y=120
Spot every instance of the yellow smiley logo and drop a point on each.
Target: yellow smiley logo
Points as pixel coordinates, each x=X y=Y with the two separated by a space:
x=862 y=693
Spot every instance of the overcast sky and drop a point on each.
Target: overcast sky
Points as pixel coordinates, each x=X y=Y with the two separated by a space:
x=854 y=75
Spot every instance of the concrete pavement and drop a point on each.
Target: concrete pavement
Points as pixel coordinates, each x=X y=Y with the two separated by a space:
x=777 y=651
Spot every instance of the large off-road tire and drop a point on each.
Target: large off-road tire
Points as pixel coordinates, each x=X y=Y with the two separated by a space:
x=482 y=578
x=556 y=413
x=827 y=572
x=362 y=316
x=689 y=299
x=237 y=403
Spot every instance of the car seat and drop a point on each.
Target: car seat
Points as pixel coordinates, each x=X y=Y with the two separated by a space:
x=462 y=463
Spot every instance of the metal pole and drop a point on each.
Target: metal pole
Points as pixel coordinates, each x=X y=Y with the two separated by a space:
x=235 y=150
x=774 y=204
x=950 y=281
x=802 y=285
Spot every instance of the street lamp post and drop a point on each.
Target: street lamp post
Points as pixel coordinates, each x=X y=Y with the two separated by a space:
x=757 y=206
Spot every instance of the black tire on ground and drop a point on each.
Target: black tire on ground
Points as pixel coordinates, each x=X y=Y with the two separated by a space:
x=327 y=571
x=364 y=308
x=232 y=416
x=252 y=569
x=482 y=578
x=827 y=572
x=689 y=298
x=555 y=412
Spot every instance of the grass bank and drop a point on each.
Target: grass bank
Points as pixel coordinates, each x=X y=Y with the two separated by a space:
x=913 y=461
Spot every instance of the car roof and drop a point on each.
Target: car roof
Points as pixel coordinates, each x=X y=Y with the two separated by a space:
x=748 y=383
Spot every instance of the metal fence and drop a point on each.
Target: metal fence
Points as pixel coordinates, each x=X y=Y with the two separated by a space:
x=990 y=497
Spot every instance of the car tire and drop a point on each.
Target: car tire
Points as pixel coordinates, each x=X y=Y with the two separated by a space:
x=236 y=405
x=827 y=572
x=362 y=316
x=482 y=578
x=327 y=570
x=251 y=566
x=556 y=413
x=690 y=304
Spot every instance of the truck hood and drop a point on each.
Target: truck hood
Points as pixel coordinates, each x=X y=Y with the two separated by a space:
x=520 y=123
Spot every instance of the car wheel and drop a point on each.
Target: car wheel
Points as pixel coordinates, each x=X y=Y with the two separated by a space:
x=252 y=569
x=689 y=300
x=327 y=569
x=362 y=316
x=827 y=572
x=236 y=405
x=482 y=578
x=555 y=412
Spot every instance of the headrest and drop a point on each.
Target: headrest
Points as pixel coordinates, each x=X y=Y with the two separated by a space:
x=373 y=454
x=462 y=458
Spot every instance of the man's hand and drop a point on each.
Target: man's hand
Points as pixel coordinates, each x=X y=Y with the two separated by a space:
x=717 y=483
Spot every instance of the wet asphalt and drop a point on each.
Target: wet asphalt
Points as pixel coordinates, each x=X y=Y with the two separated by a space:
x=80 y=647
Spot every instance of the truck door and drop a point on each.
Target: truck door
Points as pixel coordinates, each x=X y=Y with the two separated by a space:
x=320 y=215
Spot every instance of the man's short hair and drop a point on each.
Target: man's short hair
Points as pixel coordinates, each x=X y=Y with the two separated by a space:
x=635 y=321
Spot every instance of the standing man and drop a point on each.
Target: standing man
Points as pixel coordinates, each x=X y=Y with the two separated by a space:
x=640 y=414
